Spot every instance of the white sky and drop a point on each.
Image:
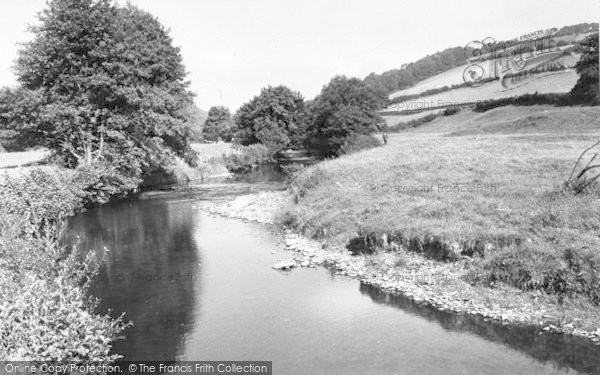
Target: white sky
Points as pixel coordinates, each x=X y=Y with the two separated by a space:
x=232 y=49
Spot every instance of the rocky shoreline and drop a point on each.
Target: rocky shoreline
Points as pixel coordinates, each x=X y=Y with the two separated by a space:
x=425 y=281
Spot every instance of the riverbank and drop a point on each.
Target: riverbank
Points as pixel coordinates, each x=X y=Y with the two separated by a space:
x=466 y=213
x=45 y=311
x=424 y=281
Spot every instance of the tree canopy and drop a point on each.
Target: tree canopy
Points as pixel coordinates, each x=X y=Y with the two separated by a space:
x=586 y=88
x=102 y=83
x=273 y=118
x=346 y=107
x=218 y=125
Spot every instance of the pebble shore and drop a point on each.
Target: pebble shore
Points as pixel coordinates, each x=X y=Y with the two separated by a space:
x=422 y=280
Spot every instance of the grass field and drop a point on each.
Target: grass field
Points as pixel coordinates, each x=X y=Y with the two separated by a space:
x=455 y=77
x=393 y=119
x=551 y=82
x=493 y=176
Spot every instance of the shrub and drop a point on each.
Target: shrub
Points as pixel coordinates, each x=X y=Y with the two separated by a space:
x=45 y=313
x=451 y=110
x=307 y=180
x=567 y=273
x=414 y=123
x=344 y=108
x=358 y=142
x=244 y=158
x=526 y=99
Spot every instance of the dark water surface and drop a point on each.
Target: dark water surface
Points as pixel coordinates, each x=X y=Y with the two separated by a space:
x=199 y=287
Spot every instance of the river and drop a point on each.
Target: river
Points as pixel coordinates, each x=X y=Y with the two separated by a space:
x=199 y=287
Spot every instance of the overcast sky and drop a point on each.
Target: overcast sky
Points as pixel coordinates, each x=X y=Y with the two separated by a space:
x=233 y=48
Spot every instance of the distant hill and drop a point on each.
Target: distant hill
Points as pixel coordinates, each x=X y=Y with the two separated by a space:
x=407 y=77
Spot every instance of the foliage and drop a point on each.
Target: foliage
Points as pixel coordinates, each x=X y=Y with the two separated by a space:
x=452 y=110
x=345 y=107
x=414 y=123
x=101 y=83
x=274 y=118
x=358 y=142
x=398 y=79
x=526 y=99
x=586 y=88
x=45 y=314
x=568 y=273
x=218 y=125
x=244 y=158
x=195 y=118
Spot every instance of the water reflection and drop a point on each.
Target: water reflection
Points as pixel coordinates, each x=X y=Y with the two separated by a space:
x=561 y=350
x=152 y=272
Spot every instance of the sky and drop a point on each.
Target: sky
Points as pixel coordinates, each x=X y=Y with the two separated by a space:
x=233 y=48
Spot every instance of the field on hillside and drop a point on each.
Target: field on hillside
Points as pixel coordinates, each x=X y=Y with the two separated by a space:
x=550 y=82
x=394 y=119
x=455 y=77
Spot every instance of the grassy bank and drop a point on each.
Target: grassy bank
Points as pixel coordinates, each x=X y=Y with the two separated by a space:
x=485 y=186
x=45 y=312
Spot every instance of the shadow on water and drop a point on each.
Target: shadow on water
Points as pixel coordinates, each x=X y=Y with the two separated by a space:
x=151 y=272
x=561 y=350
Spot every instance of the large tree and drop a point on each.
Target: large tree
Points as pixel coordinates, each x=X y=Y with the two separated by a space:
x=274 y=118
x=103 y=83
x=346 y=107
x=586 y=88
x=218 y=125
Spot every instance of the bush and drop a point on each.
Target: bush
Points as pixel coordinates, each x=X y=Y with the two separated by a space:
x=414 y=123
x=567 y=273
x=526 y=99
x=344 y=108
x=45 y=313
x=307 y=180
x=357 y=143
x=451 y=110
x=245 y=158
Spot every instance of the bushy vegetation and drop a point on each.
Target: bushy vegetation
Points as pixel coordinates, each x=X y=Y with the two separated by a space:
x=452 y=110
x=274 y=118
x=245 y=158
x=218 y=125
x=101 y=84
x=345 y=108
x=398 y=79
x=570 y=272
x=414 y=123
x=587 y=86
x=358 y=142
x=526 y=99
x=45 y=312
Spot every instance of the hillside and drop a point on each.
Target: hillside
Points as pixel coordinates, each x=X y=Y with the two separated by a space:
x=444 y=71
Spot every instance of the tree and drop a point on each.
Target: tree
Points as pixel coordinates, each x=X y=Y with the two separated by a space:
x=273 y=118
x=103 y=84
x=586 y=88
x=218 y=125
x=346 y=107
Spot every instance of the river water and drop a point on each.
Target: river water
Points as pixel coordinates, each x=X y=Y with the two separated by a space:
x=199 y=287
